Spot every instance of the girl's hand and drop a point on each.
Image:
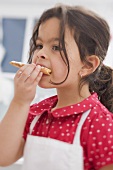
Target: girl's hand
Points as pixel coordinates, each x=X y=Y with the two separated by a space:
x=25 y=83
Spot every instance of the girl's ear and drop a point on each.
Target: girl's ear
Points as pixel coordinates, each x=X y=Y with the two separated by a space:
x=88 y=69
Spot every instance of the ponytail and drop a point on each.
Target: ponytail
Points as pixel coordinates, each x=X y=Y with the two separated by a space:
x=102 y=84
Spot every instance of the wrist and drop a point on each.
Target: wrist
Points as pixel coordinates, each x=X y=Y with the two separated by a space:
x=20 y=103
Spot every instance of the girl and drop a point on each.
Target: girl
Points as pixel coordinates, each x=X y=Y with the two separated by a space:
x=74 y=129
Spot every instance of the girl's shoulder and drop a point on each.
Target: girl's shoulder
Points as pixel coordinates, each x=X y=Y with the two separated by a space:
x=97 y=137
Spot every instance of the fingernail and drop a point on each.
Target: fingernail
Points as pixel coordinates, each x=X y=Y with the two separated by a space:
x=38 y=66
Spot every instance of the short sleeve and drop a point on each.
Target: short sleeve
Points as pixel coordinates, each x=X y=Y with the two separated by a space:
x=98 y=142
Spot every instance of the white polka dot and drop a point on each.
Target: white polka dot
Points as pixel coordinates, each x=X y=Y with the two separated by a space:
x=96 y=156
x=98 y=163
x=109 y=141
x=104 y=136
x=94 y=138
x=67 y=130
x=92 y=126
x=68 y=134
x=98 y=131
x=108 y=159
x=60 y=127
x=106 y=148
x=90 y=133
x=103 y=163
x=93 y=144
x=62 y=134
x=99 y=143
x=110 y=153
x=102 y=155
x=84 y=143
x=97 y=150
x=90 y=159
x=111 y=136
x=92 y=152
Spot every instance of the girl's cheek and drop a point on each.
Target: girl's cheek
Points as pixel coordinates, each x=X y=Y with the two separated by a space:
x=34 y=58
x=59 y=72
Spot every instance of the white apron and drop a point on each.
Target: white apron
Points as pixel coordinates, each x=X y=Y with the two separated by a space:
x=45 y=153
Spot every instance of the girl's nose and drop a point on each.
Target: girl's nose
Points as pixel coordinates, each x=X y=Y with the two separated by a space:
x=42 y=56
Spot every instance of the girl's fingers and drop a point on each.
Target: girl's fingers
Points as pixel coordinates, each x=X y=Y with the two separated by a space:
x=24 y=72
x=33 y=76
x=20 y=71
x=38 y=78
x=29 y=74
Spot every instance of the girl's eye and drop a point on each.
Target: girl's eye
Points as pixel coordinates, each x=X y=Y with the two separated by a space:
x=56 y=48
x=39 y=46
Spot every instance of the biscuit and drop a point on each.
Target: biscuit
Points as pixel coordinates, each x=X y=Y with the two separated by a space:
x=45 y=70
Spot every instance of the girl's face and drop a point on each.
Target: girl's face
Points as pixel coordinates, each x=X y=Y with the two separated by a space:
x=47 y=54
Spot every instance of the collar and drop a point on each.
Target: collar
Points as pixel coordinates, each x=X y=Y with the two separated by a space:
x=78 y=108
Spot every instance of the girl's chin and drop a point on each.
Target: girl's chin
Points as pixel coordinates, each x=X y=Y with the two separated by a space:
x=44 y=84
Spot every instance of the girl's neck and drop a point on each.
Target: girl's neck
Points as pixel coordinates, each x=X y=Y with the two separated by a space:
x=71 y=96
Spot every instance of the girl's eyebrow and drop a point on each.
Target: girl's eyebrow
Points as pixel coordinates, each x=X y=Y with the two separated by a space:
x=49 y=40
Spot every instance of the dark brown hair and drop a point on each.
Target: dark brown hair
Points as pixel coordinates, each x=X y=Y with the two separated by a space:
x=92 y=35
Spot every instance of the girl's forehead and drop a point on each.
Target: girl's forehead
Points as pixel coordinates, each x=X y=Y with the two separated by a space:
x=52 y=24
x=49 y=29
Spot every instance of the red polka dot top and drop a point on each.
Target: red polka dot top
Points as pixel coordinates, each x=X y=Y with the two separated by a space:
x=61 y=124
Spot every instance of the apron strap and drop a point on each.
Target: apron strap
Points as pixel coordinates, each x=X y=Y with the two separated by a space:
x=78 y=131
x=33 y=123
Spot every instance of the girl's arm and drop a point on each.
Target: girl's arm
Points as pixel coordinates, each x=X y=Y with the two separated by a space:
x=13 y=123
x=11 y=130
